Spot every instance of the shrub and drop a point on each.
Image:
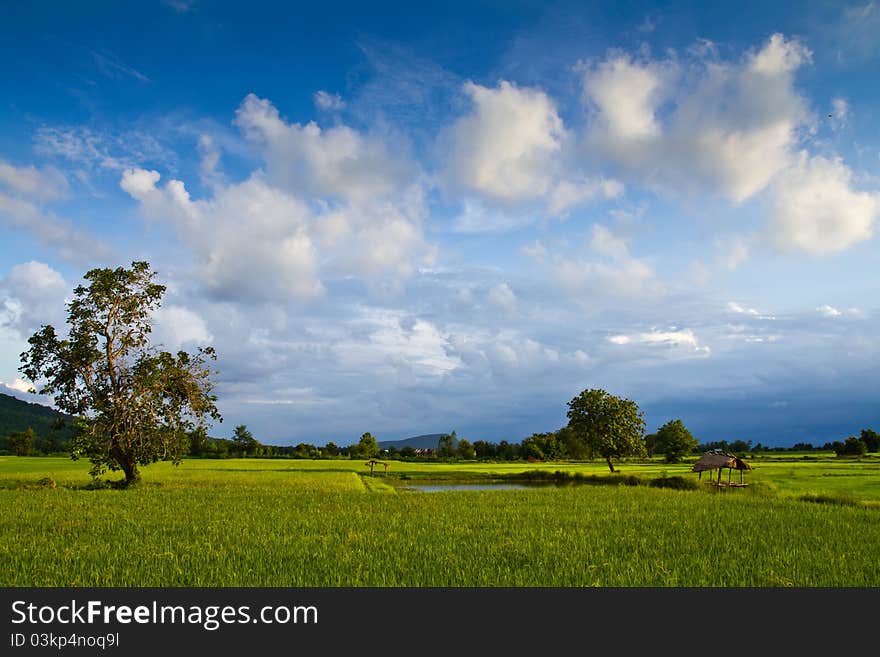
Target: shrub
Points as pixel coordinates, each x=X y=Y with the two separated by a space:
x=676 y=482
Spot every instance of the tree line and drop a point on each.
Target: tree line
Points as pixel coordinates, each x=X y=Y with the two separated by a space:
x=135 y=404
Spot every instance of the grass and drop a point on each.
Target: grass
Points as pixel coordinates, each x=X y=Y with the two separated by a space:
x=328 y=523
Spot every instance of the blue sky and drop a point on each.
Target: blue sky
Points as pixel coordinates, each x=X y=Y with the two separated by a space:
x=412 y=219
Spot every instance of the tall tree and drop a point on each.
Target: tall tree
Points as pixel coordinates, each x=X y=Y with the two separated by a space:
x=22 y=442
x=871 y=439
x=367 y=446
x=136 y=404
x=447 y=444
x=609 y=426
x=674 y=441
x=244 y=440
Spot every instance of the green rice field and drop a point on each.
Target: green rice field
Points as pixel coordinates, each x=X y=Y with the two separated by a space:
x=807 y=521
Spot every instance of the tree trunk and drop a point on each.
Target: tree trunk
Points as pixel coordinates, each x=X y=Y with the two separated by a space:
x=132 y=474
x=127 y=464
x=610 y=464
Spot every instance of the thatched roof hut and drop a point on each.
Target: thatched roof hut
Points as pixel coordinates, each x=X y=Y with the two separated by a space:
x=718 y=460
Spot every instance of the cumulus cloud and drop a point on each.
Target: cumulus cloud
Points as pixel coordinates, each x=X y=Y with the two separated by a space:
x=609 y=269
x=209 y=165
x=567 y=194
x=330 y=203
x=27 y=215
x=394 y=343
x=251 y=240
x=34 y=294
x=40 y=184
x=338 y=163
x=814 y=207
x=177 y=327
x=509 y=150
x=626 y=95
x=505 y=148
x=324 y=100
x=730 y=129
x=501 y=296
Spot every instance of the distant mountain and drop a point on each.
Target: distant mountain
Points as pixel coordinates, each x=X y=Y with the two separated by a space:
x=425 y=441
x=17 y=415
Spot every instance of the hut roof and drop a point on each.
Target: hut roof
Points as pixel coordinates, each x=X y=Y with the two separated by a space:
x=714 y=460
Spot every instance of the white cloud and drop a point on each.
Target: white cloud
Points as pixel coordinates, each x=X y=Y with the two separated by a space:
x=626 y=95
x=71 y=243
x=19 y=384
x=338 y=162
x=477 y=217
x=34 y=295
x=734 y=307
x=535 y=250
x=613 y=271
x=779 y=56
x=176 y=326
x=815 y=208
x=828 y=311
x=103 y=150
x=502 y=297
x=731 y=252
x=506 y=148
x=392 y=343
x=113 y=67
x=208 y=167
x=251 y=240
x=731 y=128
x=839 y=112
x=40 y=184
x=672 y=338
x=329 y=102
x=568 y=193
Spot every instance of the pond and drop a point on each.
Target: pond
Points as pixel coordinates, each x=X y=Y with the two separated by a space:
x=439 y=488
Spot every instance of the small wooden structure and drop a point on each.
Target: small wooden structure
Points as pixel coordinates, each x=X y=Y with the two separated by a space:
x=373 y=463
x=719 y=460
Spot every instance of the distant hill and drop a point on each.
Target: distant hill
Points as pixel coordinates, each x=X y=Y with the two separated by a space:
x=17 y=415
x=425 y=441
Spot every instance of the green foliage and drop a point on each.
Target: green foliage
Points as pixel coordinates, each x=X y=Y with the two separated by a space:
x=871 y=439
x=676 y=483
x=22 y=442
x=447 y=444
x=604 y=424
x=852 y=446
x=544 y=447
x=367 y=447
x=465 y=450
x=244 y=441
x=53 y=429
x=674 y=441
x=135 y=404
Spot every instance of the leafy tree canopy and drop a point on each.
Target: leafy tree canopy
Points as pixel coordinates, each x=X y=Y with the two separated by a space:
x=674 y=441
x=136 y=404
x=604 y=424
